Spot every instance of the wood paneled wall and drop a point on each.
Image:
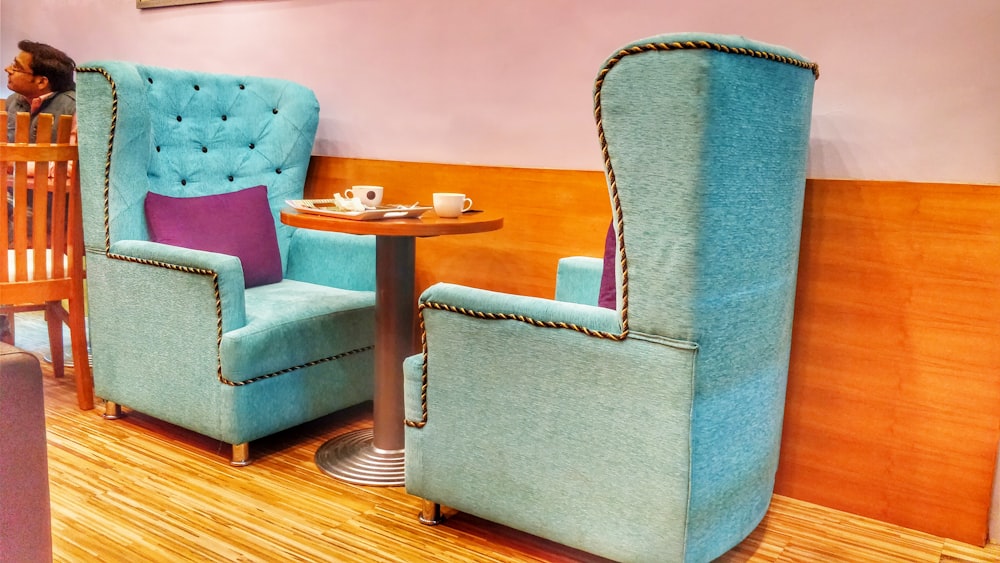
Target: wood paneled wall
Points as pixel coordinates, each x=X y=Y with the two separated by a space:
x=893 y=407
x=548 y=214
x=893 y=401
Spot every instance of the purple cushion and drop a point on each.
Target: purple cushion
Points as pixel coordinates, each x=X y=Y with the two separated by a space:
x=236 y=223
x=608 y=297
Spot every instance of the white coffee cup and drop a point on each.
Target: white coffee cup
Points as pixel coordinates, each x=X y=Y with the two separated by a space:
x=369 y=195
x=451 y=205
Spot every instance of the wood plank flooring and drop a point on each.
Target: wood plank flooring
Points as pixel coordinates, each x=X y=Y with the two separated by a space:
x=138 y=489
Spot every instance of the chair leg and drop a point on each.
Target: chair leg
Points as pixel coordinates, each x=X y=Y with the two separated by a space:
x=112 y=410
x=54 y=323
x=430 y=513
x=81 y=356
x=241 y=455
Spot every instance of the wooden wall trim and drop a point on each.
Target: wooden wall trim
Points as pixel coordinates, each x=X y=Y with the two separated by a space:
x=893 y=406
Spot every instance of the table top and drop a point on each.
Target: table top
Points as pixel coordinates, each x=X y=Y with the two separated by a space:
x=427 y=225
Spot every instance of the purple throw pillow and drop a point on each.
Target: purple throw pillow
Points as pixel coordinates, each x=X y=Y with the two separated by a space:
x=608 y=296
x=236 y=223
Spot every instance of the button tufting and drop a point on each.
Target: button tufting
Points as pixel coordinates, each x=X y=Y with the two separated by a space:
x=196 y=87
x=184 y=182
x=157 y=149
x=274 y=111
x=178 y=118
x=230 y=178
x=150 y=79
x=242 y=87
x=204 y=149
x=224 y=118
x=251 y=145
x=277 y=171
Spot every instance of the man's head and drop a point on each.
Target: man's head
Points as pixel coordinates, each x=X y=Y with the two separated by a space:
x=39 y=69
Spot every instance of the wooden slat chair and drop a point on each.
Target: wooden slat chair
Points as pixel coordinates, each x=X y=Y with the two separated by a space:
x=43 y=265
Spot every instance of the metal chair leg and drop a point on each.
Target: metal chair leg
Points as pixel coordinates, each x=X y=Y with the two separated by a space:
x=241 y=455
x=430 y=513
x=112 y=410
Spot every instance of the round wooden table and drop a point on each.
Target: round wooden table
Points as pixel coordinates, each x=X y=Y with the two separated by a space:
x=375 y=456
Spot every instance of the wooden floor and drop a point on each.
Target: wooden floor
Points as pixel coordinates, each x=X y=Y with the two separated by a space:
x=140 y=490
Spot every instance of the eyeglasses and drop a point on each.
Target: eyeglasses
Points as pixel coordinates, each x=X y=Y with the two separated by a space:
x=16 y=67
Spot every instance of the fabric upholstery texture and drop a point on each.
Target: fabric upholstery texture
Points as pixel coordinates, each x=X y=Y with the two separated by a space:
x=236 y=223
x=578 y=280
x=192 y=335
x=648 y=431
x=25 y=516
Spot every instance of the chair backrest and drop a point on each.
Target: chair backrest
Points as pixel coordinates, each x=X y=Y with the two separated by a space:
x=705 y=140
x=183 y=133
x=44 y=237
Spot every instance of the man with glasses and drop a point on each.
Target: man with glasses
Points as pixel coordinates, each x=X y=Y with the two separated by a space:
x=41 y=79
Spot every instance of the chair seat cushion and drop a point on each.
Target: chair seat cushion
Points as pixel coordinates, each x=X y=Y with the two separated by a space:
x=237 y=223
x=292 y=323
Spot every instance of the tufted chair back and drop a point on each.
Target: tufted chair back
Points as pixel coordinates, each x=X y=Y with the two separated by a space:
x=176 y=332
x=183 y=133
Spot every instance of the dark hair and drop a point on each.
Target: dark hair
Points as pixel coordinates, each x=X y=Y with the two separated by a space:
x=51 y=63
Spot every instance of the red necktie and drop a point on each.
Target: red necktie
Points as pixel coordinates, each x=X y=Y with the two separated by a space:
x=36 y=104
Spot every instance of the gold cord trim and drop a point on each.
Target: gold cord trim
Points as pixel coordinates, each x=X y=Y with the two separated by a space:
x=423 y=376
x=521 y=318
x=687 y=45
x=293 y=368
x=111 y=142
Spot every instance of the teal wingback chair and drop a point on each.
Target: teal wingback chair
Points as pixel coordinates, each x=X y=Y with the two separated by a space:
x=175 y=332
x=649 y=432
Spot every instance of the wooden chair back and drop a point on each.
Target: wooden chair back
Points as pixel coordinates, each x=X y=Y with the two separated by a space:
x=42 y=224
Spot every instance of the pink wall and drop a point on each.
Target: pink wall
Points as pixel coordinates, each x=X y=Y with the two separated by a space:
x=907 y=92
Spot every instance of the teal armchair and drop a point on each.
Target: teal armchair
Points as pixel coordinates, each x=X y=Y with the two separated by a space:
x=180 y=333
x=651 y=431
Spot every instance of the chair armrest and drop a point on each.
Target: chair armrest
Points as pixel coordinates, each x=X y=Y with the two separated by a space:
x=413 y=368
x=447 y=310
x=332 y=259
x=517 y=346
x=534 y=310
x=578 y=279
x=227 y=269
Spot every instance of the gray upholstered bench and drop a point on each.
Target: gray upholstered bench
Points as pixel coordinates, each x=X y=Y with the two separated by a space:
x=25 y=524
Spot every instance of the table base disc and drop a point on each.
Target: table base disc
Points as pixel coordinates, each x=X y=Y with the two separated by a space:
x=351 y=457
